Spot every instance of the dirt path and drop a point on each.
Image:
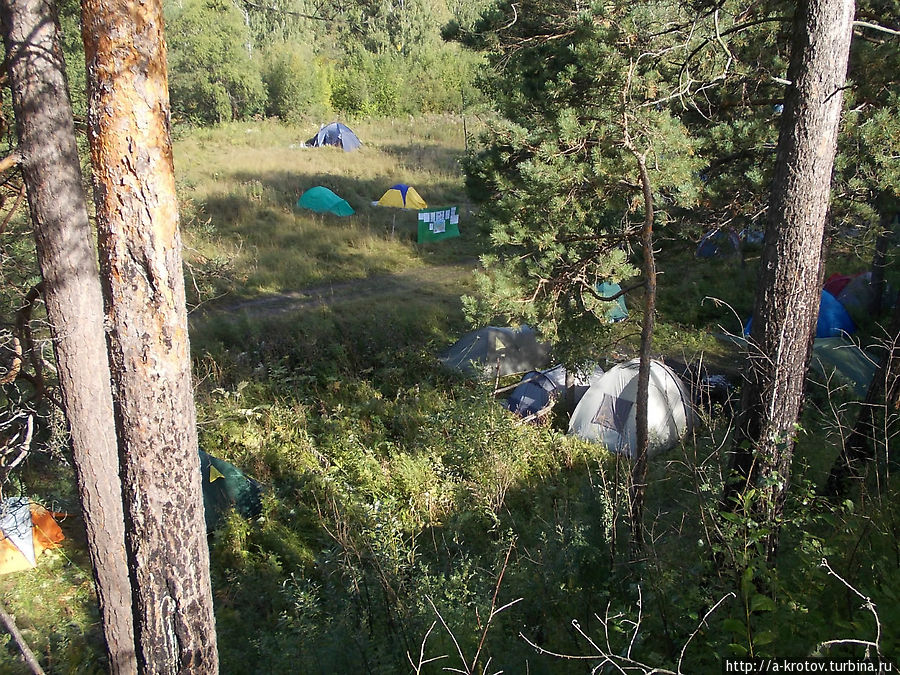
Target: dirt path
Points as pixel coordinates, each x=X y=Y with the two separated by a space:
x=428 y=280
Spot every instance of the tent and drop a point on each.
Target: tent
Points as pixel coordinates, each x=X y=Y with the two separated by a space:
x=402 y=197
x=836 y=283
x=539 y=388
x=322 y=200
x=226 y=487
x=858 y=296
x=535 y=392
x=486 y=351
x=335 y=134
x=845 y=361
x=718 y=242
x=617 y=310
x=833 y=319
x=606 y=413
x=28 y=529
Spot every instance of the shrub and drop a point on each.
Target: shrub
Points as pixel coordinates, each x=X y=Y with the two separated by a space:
x=213 y=77
x=296 y=81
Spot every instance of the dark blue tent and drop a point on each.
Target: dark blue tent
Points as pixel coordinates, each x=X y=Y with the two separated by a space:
x=533 y=394
x=718 y=242
x=833 y=320
x=335 y=134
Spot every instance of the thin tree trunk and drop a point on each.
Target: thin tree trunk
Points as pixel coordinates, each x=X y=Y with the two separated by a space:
x=52 y=174
x=9 y=625
x=143 y=282
x=789 y=290
x=639 y=470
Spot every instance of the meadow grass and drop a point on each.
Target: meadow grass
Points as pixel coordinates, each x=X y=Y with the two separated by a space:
x=244 y=235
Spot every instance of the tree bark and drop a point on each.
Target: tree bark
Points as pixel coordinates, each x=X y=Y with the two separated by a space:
x=52 y=174
x=789 y=285
x=639 y=470
x=143 y=283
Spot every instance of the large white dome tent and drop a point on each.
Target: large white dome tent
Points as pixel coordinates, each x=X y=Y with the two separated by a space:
x=606 y=412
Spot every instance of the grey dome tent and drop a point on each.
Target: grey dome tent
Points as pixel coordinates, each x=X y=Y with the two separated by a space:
x=492 y=350
x=606 y=412
x=335 y=134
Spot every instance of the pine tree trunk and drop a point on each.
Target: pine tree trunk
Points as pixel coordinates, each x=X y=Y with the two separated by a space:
x=879 y=259
x=789 y=285
x=642 y=432
x=141 y=272
x=52 y=174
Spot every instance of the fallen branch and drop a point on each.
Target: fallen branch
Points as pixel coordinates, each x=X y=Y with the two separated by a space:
x=9 y=624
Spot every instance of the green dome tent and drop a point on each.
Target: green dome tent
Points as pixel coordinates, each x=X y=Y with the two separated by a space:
x=226 y=487
x=322 y=200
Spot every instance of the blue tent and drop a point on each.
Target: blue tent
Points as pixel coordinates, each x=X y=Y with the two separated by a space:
x=335 y=134
x=718 y=242
x=533 y=394
x=833 y=320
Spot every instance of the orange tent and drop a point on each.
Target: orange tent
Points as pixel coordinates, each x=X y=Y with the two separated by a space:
x=28 y=529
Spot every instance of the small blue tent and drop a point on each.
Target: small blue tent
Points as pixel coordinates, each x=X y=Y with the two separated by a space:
x=335 y=134
x=718 y=242
x=533 y=394
x=833 y=320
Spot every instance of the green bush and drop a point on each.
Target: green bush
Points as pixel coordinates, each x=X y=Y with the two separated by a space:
x=213 y=75
x=296 y=81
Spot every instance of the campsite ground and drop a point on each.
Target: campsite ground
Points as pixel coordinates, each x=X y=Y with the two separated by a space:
x=403 y=506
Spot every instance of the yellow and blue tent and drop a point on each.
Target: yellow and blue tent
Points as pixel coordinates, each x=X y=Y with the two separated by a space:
x=402 y=197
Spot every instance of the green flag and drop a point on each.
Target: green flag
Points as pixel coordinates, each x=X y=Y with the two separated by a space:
x=437 y=224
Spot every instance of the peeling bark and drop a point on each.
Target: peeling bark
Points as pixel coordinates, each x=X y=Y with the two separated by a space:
x=143 y=284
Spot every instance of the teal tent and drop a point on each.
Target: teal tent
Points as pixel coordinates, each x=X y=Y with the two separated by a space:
x=617 y=310
x=845 y=362
x=226 y=487
x=322 y=200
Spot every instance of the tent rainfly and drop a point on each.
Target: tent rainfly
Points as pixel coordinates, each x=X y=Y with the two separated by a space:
x=606 y=412
x=833 y=319
x=402 y=197
x=335 y=134
x=491 y=350
x=322 y=200
x=225 y=487
x=28 y=529
x=617 y=310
